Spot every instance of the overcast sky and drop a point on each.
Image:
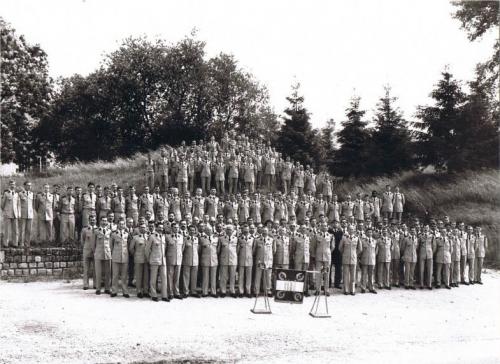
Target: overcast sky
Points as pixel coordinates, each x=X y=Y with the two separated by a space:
x=333 y=48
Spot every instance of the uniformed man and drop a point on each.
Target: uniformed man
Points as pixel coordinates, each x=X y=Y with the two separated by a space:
x=301 y=253
x=228 y=260
x=87 y=242
x=427 y=249
x=56 y=220
x=150 y=171
x=263 y=249
x=190 y=263
x=78 y=211
x=463 y=252
x=455 y=256
x=208 y=261
x=443 y=258
x=350 y=247
x=155 y=254
x=45 y=212
x=377 y=204
x=101 y=247
x=245 y=261
x=368 y=258
x=384 y=259
x=118 y=205
x=324 y=244
x=281 y=258
x=175 y=247
x=67 y=210
x=146 y=203
x=119 y=256
x=162 y=166
x=198 y=204
x=89 y=201
x=481 y=247
x=137 y=249
x=104 y=203
x=11 y=214
x=132 y=205
x=348 y=209
x=409 y=246
x=471 y=253
x=27 y=200
x=396 y=257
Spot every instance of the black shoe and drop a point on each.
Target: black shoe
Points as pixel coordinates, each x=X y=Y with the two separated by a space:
x=98 y=292
x=389 y=287
x=233 y=295
x=466 y=283
x=178 y=297
x=139 y=295
x=155 y=299
x=438 y=286
x=131 y=285
x=337 y=286
x=373 y=291
x=195 y=295
x=240 y=295
x=126 y=295
x=429 y=288
x=353 y=294
x=447 y=287
x=213 y=295
x=479 y=282
x=307 y=294
x=185 y=295
x=107 y=291
x=222 y=295
x=146 y=295
x=171 y=297
x=165 y=299
x=328 y=293
x=85 y=288
x=472 y=282
x=94 y=287
x=396 y=285
x=412 y=287
x=421 y=287
x=363 y=290
x=406 y=287
x=345 y=293
x=113 y=294
x=204 y=295
x=248 y=295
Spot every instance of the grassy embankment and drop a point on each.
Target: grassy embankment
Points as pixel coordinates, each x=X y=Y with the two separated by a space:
x=472 y=197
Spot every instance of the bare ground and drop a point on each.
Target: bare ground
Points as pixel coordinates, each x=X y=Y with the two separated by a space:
x=58 y=322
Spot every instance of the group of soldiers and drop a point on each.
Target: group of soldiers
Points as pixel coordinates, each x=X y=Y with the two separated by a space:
x=271 y=213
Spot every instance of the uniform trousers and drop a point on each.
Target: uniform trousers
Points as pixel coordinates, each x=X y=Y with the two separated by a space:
x=119 y=272
x=227 y=272
x=102 y=267
x=425 y=268
x=141 y=273
x=173 y=276
x=262 y=276
x=395 y=271
x=349 y=274
x=209 y=277
x=45 y=229
x=25 y=227
x=455 y=271
x=88 y=268
x=471 y=262
x=245 y=279
x=463 y=264
x=158 y=271
x=384 y=272
x=367 y=276
x=67 y=227
x=410 y=274
x=189 y=278
x=479 y=268
x=337 y=265
x=443 y=274
x=322 y=278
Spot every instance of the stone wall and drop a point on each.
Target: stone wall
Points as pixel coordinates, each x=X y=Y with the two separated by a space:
x=38 y=263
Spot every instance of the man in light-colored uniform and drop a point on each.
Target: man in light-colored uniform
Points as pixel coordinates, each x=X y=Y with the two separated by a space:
x=119 y=256
x=27 y=201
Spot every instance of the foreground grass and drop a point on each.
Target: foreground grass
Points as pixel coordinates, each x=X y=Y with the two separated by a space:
x=472 y=197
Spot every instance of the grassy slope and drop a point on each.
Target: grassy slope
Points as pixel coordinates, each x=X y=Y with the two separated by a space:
x=472 y=197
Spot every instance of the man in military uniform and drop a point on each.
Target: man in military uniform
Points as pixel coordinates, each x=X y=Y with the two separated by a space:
x=11 y=213
x=26 y=198
x=190 y=263
x=481 y=247
x=300 y=243
x=471 y=253
x=175 y=247
x=155 y=255
x=336 y=254
x=45 y=212
x=245 y=261
x=384 y=259
x=387 y=203
x=119 y=256
x=263 y=249
x=350 y=247
x=102 y=256
x=443 y=258
x=228 y=260
x=118 y=205
x=87 y=242
x=427 y=249
x=146 y=203
x=409 y=246
x=67 y=210
x=324 y=244
x=132 y=205
x=89 y=202
x=369 y=253
x=208 y=261
x=137 y=250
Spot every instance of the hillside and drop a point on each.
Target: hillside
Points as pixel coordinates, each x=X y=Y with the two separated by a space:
x=472 y=197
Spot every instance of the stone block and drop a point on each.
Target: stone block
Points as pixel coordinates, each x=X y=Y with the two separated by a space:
x=48 y=264
x=10 y=272
x=57 y=272
x=26 y=272
x=32 y=265
x=24 y=258
x=40 y=265
x=62 y=264
x=49 y=272
x=38 y=259
x=33 y=272
x=56 y=264
x=13 y=265
x=3 y=273
x=70 y=264
x=23 y=265
x=18 y=272
x=42 y=272
x=2 y=256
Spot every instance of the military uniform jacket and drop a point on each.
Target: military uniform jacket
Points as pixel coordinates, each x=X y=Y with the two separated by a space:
x=175 y=247
x=443 y=245
x=138 y=248
x=384 y=249
x=359 y=210
x=243 y=209
x=376 y=203
x=369 y=250
x=291 y=205
x=471 y=246
x=160 y=205
x=190 y=253
x=463 y=242
x=300 y=246
x=212 y=202
x=118 y=205
x=481 y=246
x=396 y=246
x=334 y=211
x=209 y=245
x=102 y=243
x=155 y=249
x=302 y=208
x=228 y=250
x=286 y=171
x=409 y=247
x=67 y=205
x=104 y=203
x=282 y=253
x=87 y=240
x=264 y=249
x=45 y=207
x=268 y=210
x=89 y=201
x=455 y=248
x=198 y=206
x=255 y=212
x=146 y=203
x=245 y=250
x=175 y=207
x=132 y=204
x=347 y=208
x=27 y=204
x=350 y=246
x=324 y=245
x=119 y=244
x=427 y=246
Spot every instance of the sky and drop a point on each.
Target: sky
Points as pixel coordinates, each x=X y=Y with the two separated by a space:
x=335 y=49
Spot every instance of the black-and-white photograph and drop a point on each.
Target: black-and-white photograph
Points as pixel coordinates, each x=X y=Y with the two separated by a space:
x=236 y=181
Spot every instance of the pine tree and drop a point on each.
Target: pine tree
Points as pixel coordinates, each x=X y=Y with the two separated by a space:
x=391 y=147
x=326 y=144
x=296 y=137
x=352 y=157
x=438 y=124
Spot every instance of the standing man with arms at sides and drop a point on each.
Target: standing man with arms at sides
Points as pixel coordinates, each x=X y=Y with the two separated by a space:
x=89 y=202
x=45 y=212
x=102 y=256
x=377 y=204
x=190 y=263
x=78 y=211
x=384 y=259
x=87 y=242
x=228 y=260
x=398 y=202
x=443 y=258
x=337 y=233
x=471 y=253
x=264 y=248
x=11 y=214
x=132 y=205
x=324 y=245
x=481 y=247
x=409 y=246
x=146 y=203
x=119 y=245
x=141 y=267
x=387 y=203
x=175 y=247
x=162 y=167
x=300 y=243
x=150 y=172
x=245 y=261
x=427 y=249
x=463 y=252
x=208 y=261
x=27 y=204
x=350 y=247
x=118 y=205
x=368 y=258
x=67 y=221
x=155 y=254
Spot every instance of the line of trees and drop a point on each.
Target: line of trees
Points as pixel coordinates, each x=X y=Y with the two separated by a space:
x=147 y=93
